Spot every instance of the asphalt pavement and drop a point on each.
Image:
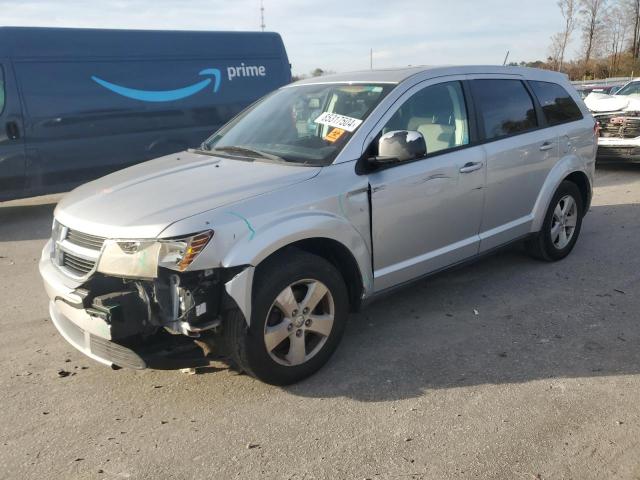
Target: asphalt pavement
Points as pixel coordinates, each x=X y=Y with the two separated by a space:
x=509 y=368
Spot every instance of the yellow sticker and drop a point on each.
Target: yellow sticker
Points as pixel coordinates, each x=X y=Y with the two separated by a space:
x=334 y=135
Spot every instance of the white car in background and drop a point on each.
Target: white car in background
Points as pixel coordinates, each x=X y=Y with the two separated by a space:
x=618 y=117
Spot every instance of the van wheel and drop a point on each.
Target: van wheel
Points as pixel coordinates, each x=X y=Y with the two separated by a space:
x=299 y=312
x=561 y=225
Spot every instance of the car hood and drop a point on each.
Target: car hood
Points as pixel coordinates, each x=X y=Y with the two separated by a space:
x=141 y=201
x=601 y=102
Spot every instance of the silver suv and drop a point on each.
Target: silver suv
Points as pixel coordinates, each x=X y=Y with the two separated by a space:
x=310 y=203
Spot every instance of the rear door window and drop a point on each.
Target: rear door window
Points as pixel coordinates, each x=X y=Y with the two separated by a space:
x=557 y=105
x=505 y=106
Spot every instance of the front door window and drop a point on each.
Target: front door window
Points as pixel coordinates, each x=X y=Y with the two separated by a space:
x=438 y=113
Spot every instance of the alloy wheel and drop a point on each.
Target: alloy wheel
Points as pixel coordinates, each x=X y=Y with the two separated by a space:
x=563 y=223
x=299 y=322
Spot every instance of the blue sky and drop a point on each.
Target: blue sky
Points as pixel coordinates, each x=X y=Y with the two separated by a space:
x=332 y=35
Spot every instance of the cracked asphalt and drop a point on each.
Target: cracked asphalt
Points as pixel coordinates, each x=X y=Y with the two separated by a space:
x=508 y=368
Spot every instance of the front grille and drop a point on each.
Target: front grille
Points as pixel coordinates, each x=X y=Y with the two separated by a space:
x=75 y=253
x=85 y=240
x=619 y=126
x=77 y=265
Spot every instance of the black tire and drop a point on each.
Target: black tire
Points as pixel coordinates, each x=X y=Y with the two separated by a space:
x=246 y=345
x=541 y=246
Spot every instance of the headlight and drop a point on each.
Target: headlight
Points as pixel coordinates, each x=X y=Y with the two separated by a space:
x=141 y=258
x=178 y=254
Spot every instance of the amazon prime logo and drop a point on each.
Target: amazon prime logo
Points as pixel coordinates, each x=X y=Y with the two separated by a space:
x=214 y=75
x=164 y=95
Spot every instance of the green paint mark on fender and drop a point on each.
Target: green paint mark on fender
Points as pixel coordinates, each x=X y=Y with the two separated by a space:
x=247 y=223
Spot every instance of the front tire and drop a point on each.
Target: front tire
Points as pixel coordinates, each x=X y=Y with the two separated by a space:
x=299 y=312
x=561 y=226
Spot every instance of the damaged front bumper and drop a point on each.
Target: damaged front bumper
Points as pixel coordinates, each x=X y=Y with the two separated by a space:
x=171 y=321
x=619 y=140
x=618 y=150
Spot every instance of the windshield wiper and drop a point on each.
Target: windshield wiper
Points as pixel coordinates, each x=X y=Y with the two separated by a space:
x=251 y=152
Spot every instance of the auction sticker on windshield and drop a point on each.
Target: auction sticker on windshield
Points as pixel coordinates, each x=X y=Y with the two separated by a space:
x=338 y=121
x=334 y=135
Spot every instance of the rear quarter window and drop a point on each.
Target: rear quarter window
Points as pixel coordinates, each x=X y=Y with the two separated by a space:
x=557 y=105
x=505 y=106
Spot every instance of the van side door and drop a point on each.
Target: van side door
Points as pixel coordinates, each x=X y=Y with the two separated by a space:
x=12 y=150
x=520 y=153
x=426 y=212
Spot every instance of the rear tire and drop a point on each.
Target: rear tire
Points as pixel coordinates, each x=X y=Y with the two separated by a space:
x=288 y=341
x=561 y=225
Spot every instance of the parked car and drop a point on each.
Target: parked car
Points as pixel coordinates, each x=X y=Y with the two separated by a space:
x=76 y=104
x=314 y=201
x=612 y=89
x=618 y=118
x=585 y=90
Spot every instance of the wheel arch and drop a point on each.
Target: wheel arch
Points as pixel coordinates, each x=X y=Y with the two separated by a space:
x=339 y=256
x=581 y=180
x=322 y=234
x=570 y=168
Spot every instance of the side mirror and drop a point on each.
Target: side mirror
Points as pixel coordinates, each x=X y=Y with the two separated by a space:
x=400 y=146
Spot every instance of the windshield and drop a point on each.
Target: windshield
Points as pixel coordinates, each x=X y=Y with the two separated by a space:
x=306 y=124
x=632 y=88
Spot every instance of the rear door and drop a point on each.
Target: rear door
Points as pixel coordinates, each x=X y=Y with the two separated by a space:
x=12 y=151
x=520 y=153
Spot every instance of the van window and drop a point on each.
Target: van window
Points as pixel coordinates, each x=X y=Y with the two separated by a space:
x=505 y=106
x=439 y=113
x=1 y=89
x=557 y=104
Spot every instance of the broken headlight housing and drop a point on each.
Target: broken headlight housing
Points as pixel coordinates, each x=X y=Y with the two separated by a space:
x=141 y=258
x=178 y=254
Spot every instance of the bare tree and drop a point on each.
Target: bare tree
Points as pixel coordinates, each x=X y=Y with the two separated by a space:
x=616 y=25
x=568 y=8
x=633 y=13
x=592 y=12
x=555 y=51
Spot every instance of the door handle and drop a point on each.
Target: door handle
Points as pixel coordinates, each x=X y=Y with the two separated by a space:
x=546 y=146
x=471 y=167
x=13 y=132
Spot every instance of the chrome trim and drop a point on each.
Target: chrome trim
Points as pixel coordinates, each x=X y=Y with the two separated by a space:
x=63 y=245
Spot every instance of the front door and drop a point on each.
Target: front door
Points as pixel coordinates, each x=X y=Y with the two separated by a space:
x=12 y=151
x=426 y=214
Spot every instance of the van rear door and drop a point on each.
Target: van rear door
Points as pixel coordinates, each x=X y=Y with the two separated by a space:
x=12 y=149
